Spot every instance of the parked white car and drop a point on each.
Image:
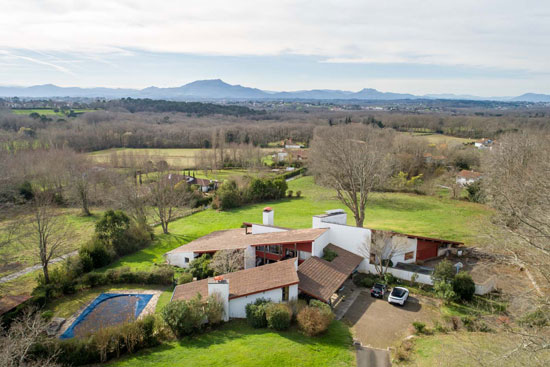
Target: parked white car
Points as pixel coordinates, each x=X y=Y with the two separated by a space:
x=398 y=295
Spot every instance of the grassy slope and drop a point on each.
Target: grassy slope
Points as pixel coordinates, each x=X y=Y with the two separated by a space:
x=237 y=344
x=421 y=215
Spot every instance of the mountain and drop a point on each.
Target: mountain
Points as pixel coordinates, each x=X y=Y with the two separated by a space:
x=532 y=97
x=216 y=89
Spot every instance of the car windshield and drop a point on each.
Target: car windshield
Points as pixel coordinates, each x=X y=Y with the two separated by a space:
x=398 y=292
x=378 y=286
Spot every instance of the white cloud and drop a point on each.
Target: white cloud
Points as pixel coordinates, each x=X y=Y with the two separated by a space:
x=490 y=33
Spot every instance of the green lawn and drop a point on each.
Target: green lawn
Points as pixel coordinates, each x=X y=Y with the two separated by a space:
x=237 y=344
x=408 y=213
x=77 y=229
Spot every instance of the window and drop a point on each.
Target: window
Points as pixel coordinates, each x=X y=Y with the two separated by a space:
x=409 y=255
x=372 y=258
x=186 y=260
x=285 y=293
x=275 y=249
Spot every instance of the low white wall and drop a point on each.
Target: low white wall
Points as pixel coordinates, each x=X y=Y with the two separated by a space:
x=258 y=228
x=237 y=306
x=178 y=259
x=319 y=244
x=403 y=274
x=349 y=238
x=486 y=287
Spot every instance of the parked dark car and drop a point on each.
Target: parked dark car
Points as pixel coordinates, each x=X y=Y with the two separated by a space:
x=378 y=290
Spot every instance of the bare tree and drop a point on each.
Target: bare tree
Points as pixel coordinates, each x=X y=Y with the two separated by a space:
x=17 y=342
x=80 y=179
x=352 y=159
x=227 y=261
x=383 y=247
x=168 y=196
x=517 y=180
x=46 y=231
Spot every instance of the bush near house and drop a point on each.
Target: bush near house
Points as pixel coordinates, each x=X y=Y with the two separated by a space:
x=315 y=318
x=184 y=317
x=278 y=316
x=200 y=267
x=255 y=313
x=464 y=286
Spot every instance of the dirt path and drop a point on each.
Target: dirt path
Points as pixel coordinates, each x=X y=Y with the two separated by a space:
x=30 y=269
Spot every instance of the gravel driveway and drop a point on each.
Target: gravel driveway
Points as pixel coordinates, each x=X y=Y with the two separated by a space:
x=378 y=324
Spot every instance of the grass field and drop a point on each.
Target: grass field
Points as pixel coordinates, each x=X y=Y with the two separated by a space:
x=78 y=229
x=237 y=344
x=408 y=213
x=176 y=158
x=441 y=139
x=470 y=349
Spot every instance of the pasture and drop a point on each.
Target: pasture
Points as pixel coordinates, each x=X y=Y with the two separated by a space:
x=176 y=158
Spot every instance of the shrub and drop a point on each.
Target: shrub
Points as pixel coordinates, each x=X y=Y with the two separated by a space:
x=444 y=291
x=289 y=193
x=419 y=327
x=464 y=286
x=278 y=316
x=214 y=309
x=389 y=278
x=184 y=317
x=329 y=255
x=200 y=267
x=367 y=282
x=444 y=271
x=185 y=278
x=98 y=252
x=255 y=313
x=440 y=328
x=296 y=305
x=404 y=350
x=364 y=280
x=313 y=321
x=94 y=279
x=298 y=193
x=163 y=275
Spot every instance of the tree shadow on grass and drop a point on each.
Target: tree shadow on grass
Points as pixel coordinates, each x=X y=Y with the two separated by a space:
x=400 y=204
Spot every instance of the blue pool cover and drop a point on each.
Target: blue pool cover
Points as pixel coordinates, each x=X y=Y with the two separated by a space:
x=142 y=300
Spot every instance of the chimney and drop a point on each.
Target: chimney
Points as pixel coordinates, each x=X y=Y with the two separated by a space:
x=220 y=287
x=268 y=216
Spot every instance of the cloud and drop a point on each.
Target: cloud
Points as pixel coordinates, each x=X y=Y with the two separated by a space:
x=491 y=33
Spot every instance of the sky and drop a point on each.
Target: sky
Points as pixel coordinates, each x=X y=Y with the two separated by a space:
x=479 y=47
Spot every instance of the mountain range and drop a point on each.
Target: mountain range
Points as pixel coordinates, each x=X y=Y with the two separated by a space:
x=216 y=89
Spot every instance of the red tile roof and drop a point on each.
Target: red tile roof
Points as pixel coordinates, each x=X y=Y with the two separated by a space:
x=469 y=174
x=246 y=282
x=233 y=239
x=321 y=279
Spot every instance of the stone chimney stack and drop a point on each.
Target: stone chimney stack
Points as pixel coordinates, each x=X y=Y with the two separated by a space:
x=268 y=216
x=220 y=287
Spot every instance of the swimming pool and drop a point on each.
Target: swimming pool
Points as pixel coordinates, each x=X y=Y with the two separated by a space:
x=107 y=309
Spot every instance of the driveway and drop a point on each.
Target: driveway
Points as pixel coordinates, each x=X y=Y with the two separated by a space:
x=378 y=324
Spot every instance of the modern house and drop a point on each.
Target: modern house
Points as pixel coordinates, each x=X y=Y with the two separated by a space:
x=466 y=177
x=266 y=246
x=277 y=281
x=484 y=144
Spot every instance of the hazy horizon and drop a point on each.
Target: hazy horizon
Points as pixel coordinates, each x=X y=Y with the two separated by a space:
x=488 y=49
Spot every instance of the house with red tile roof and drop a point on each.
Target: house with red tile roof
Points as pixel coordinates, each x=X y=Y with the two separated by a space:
x=281 y=262
x=466 y=177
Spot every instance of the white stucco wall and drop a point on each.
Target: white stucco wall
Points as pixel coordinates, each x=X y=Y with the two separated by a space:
x=237 y=306
x=319 y=244
x=411 y=245
x=258 y=228
x=178 y=258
